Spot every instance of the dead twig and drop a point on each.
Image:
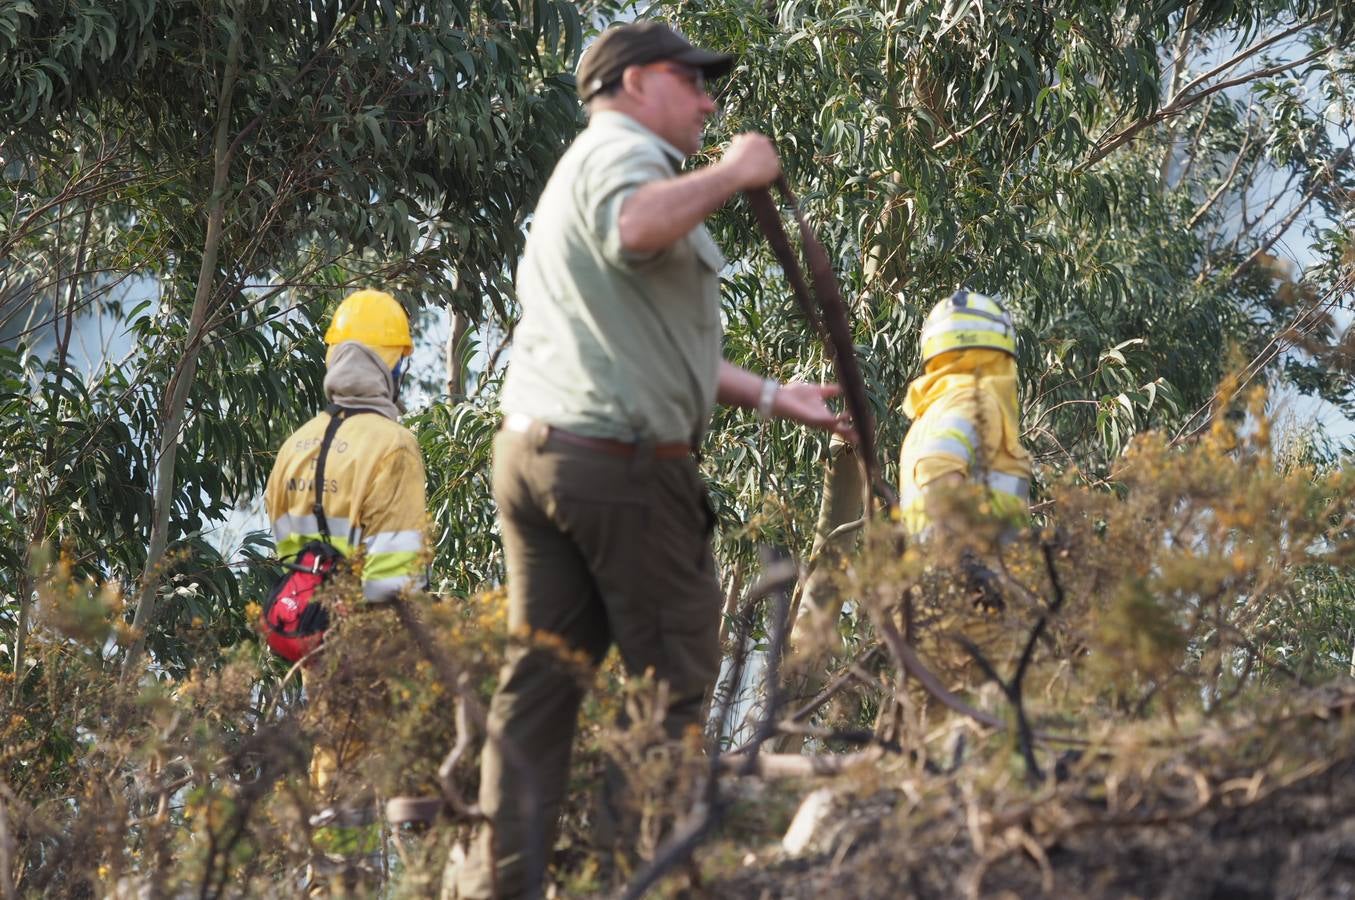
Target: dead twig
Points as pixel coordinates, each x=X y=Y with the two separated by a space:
x=708 y=809
x=908 y=660
x=796 y=765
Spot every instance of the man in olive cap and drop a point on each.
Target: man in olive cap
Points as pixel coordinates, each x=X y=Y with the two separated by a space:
x=616 y=369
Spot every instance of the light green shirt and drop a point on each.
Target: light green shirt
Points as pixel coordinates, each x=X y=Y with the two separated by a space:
x=611 y=344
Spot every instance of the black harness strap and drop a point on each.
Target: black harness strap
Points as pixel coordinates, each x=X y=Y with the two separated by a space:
x=337 y=416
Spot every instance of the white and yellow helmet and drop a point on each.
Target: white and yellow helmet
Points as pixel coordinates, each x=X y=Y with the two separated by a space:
x=964 y=321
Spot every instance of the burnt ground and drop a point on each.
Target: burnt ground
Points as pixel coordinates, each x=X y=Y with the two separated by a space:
x=1196 y=829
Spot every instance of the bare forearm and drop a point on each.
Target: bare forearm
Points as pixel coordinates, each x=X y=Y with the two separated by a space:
x=800 y=402
x=736 y=386
x=661 y=213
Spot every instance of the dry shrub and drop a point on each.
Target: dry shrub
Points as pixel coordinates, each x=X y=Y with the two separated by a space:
x=206 y=785
x=1186 y=696
x=201 y=786
x=1185 y=635
x=1166 y=588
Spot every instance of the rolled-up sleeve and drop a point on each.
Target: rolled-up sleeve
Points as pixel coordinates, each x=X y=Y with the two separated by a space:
x=609 y=178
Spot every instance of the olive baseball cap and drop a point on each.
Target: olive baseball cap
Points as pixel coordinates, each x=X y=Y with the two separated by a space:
x=637 y=44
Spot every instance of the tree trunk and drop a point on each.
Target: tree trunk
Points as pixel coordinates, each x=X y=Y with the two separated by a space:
x=1178 y=76
x=26 y=588
x=842 y=502
x=456 y=370
x=176 y=392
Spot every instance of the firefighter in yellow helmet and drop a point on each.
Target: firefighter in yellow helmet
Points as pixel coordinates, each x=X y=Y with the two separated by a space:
x=966 y=421
x=964 y=477
x=965 y=429
x=372 y=498
x=374 y=491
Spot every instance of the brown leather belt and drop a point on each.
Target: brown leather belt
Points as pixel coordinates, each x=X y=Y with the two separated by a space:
x=524 y=424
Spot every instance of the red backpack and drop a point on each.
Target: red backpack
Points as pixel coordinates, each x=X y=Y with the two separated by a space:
x=294 y=619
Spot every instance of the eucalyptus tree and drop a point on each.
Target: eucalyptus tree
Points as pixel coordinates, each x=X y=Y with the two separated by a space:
x=1117 y=174
x=251 y=160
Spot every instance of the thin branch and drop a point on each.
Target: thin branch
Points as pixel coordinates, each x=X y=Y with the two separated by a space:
x=1319 y=181
x=908 y=660
x=1249 y=223
x=846 y=677
x=1191 y=96
x=1214 y=196
x=963 y=132
x=1304 y=321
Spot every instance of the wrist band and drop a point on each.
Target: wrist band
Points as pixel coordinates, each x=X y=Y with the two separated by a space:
x=768 y=396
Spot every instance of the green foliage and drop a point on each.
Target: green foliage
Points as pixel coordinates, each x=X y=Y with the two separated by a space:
x=1083 y=161
x=413 y=133
x=456 y=442
x=364 y=144
x=939 y=145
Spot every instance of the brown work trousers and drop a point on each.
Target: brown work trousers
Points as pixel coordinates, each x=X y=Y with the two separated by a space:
x=600 y=549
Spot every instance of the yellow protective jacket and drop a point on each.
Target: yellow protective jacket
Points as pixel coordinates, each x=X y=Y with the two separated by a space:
x=966 y=421
x=374 y=491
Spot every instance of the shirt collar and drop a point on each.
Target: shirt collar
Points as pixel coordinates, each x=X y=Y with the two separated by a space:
x=610 y=118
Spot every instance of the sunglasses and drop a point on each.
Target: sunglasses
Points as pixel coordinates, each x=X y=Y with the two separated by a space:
x=694 y=77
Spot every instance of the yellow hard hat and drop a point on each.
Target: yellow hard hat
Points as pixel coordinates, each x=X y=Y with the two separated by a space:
x=374 y=318
x=967 y=320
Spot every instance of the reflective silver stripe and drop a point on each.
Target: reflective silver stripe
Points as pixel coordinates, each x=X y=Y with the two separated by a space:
x=394 y=541
x=385 y=588
x=982 y=314
x=1009 y=484
x=290 y=523
x=948 y=445
x=998 y=481
x=977 y=324
x=955 y=423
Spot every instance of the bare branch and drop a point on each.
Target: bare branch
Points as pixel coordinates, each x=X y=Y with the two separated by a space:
x=1193 y=93
x=1214 y=196
x=1319 y=181
x=795 y=765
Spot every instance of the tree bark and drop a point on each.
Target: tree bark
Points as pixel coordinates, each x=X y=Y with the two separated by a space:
x=1178 y=75
x=456 y=370
x=843 y=501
